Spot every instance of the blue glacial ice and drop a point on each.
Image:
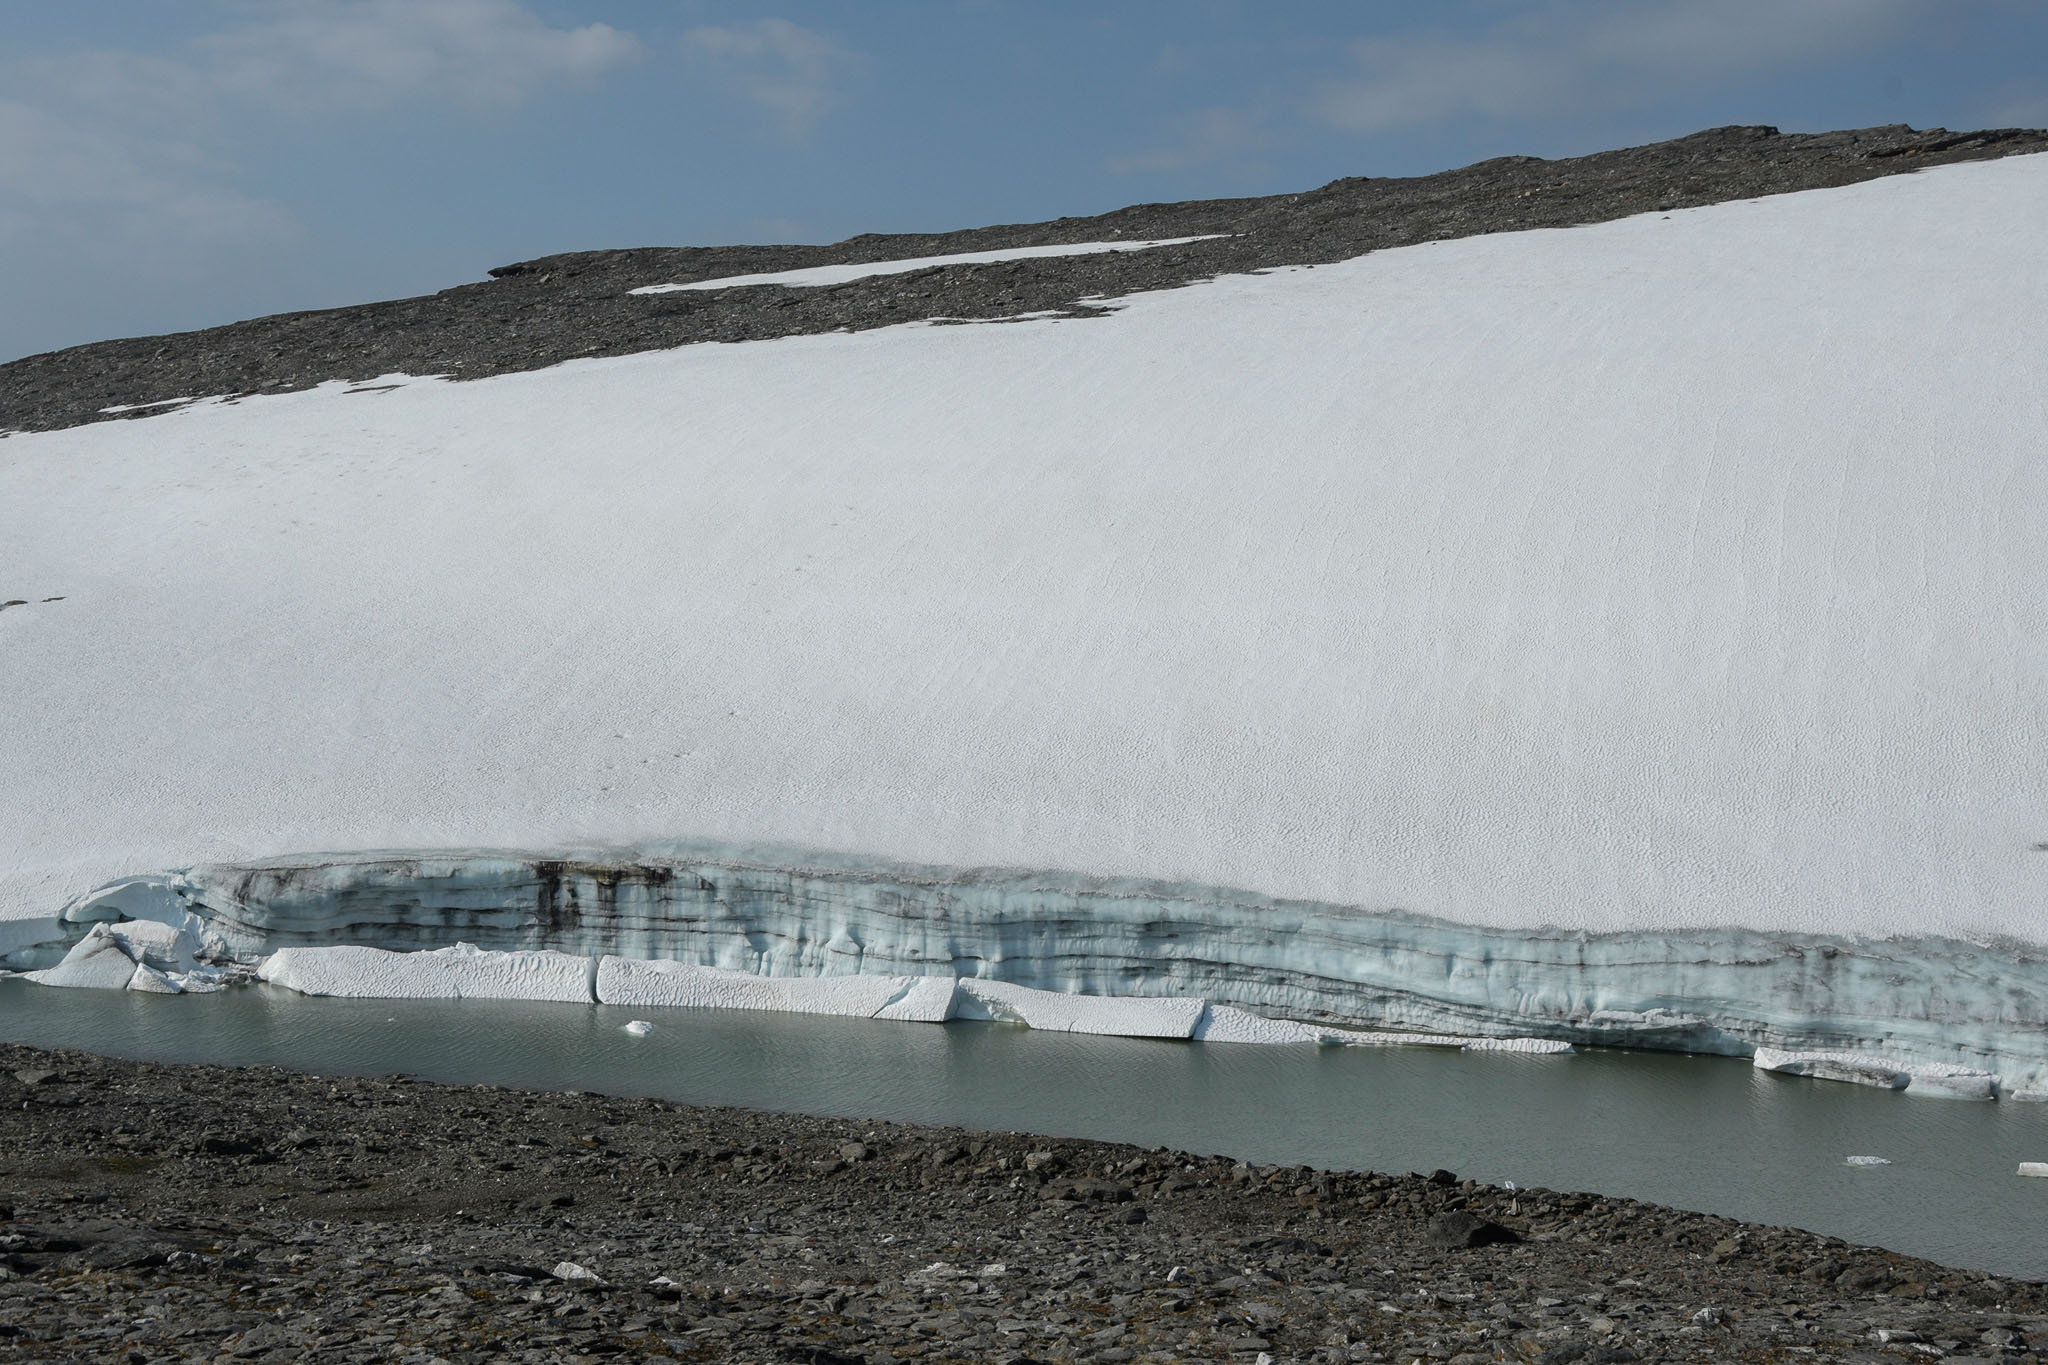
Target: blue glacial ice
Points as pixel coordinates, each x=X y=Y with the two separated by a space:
x=782 y=928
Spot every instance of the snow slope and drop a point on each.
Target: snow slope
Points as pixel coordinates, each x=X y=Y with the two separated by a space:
x=1677 y=572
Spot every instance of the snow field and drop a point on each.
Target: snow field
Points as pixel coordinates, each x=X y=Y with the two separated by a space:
x=1678 y=576
x=1681 y=570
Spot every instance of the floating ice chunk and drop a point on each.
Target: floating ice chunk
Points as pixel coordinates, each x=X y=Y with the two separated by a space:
x=99 y=961
x=136 y=955
x=168 y=947
x=1124 y=1016
x=1389 y=1038
x=145 y=918
x=1834 y=1066
x=639 y=1028
x=457 y=973
x=2038 y=1168
x=149 y=979
x=816 y=275
x=925 y=1000
x=1928 y=1079
x=206 y=980
x=1944 y=1083
x=1535 y=1047
x=628 y=981
x=1867 y=1161
x=1229 y=1024
x=1384 y=1038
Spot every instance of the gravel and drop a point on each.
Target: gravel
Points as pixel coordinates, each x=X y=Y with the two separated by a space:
x=152 y=1212
x=541 y=312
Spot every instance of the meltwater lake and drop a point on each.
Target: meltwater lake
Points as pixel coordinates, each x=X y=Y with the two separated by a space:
x=1705 y=1133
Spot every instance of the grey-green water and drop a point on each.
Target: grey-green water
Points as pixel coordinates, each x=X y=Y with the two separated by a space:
x=1698 y=1132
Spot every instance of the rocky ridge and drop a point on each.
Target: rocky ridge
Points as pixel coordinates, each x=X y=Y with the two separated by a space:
x=541 y=312
x=156 y=1213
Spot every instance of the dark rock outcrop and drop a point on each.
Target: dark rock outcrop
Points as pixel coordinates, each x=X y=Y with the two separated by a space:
x=540 y=312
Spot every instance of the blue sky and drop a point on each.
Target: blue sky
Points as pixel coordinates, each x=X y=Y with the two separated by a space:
x=166 y=166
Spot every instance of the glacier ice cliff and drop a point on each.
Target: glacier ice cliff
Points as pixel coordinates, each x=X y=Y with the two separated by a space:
x=1880 y=1010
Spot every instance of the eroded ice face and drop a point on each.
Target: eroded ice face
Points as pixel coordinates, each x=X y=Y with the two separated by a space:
x=774 y=929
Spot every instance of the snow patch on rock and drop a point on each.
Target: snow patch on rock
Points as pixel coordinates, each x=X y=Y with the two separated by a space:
x=817 y=275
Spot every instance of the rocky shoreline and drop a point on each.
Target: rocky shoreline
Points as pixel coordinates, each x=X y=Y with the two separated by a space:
x=542 y=312
x=155 y=1213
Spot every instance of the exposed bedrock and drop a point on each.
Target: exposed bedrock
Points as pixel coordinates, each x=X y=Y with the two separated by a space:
x=786 y=913
x=537 y=313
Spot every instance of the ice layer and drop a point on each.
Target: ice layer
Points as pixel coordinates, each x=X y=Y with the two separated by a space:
x=779 y=928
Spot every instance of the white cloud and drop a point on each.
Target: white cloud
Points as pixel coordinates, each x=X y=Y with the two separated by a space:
x=1591 y=57
x=778 y=231
x=329 y=56
x=67 y=185
x=792 y=72
x=1205 y=136
x=105 y=155
x=2015 y=106
x=367 y=54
